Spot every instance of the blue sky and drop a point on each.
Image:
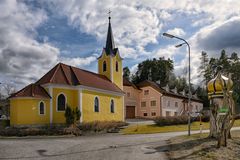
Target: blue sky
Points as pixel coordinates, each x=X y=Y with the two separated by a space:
x=36 y=35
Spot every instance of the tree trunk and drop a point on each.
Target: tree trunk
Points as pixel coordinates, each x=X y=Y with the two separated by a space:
x=222 y=139
x=213 y=126
x=229 y=136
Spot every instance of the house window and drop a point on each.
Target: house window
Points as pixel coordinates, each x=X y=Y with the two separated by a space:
x=168 y=103
x=116 y=66
x=41 y=108
x=176 y=104
x=104 y=66
x=153 y=103
x=168 y=113
x=175 y=113
x=96 y=104
x=143 y=104
x=145 y=114
x=61 y=102
x=153 y=113
x=112 y=106
x=128 y=94
x=146 y=92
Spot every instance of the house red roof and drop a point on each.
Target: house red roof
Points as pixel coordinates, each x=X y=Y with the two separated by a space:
x=69 y=75
x=32 y=90
x=164 y=91
x=126 y=82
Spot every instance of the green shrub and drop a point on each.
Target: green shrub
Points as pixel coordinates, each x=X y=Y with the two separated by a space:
x=166 y=121
x=29 y=131
x=72 y=115
x=4 y=123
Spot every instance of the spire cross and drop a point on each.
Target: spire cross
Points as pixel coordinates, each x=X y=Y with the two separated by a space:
x=109 y=13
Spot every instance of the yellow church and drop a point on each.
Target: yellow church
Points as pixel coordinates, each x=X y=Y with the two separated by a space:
x=99 y=96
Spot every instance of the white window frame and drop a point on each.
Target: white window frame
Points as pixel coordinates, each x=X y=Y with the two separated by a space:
x=44 y=108
x=111 y=106
x=98 y=104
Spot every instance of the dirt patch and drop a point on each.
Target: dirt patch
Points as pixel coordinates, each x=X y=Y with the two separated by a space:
x=203 y=148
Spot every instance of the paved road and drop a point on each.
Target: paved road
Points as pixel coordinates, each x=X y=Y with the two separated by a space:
x=102 y=147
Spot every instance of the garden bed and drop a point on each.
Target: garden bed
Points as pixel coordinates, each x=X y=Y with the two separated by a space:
x=81 y=129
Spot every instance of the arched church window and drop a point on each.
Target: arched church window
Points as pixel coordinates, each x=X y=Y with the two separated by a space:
x=116 y=66
x=104 y=66
x=96 y=104
x=61 y=102
x=41 y=108
x=112 y=106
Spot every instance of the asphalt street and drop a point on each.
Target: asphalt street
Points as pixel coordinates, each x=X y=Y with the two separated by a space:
x=100 y=147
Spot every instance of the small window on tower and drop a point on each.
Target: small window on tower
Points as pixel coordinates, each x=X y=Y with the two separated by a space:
x=116 y=66
x=104 y=66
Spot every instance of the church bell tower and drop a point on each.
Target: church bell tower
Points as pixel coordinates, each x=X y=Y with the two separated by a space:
x=110 y=61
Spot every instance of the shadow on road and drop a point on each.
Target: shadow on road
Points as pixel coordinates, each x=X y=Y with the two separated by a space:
x=43 y=153
x=183 y=146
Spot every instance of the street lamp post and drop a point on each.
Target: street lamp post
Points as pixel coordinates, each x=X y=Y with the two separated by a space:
x=189 y=75
x=0 y=92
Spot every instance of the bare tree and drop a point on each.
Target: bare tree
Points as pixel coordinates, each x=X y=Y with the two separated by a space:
x=9 y=88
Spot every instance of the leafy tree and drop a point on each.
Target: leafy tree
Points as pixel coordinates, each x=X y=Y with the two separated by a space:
x=155 y=70
x=126 y=73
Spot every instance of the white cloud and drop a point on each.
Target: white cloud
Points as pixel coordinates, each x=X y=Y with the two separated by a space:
x=78 y=61
x=136 y=24
x=176 y=31
x=167 y=52
x=22 y=58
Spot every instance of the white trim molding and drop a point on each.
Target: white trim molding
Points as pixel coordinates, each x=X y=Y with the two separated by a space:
x=101 y=91
x=61 y=86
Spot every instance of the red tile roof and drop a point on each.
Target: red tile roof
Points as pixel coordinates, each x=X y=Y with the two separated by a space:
x=126 y=82
x=32 y=90
x=163 y=91
x=69 y=75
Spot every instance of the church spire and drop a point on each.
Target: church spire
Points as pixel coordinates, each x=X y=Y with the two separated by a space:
x=110 y=46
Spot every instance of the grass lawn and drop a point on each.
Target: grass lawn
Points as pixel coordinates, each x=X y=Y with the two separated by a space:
x=148 y=129
x=194 y=147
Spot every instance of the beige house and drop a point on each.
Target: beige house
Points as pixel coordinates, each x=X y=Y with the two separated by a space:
x=147 y=99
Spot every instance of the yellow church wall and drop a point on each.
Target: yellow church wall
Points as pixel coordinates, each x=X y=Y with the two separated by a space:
x=103 y=58
x=25 y=111
x=71 y=100
x=104 y=113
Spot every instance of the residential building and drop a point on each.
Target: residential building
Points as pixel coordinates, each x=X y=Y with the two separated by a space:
x=151 y=100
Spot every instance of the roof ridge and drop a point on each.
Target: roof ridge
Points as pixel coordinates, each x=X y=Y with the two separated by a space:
x=32 y=89
x=57 y=66
x=72 y=70
x=101 y=76
x=61 y=67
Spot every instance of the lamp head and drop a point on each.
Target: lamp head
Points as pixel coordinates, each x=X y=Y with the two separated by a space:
x=180 y=45
x=168 y=35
